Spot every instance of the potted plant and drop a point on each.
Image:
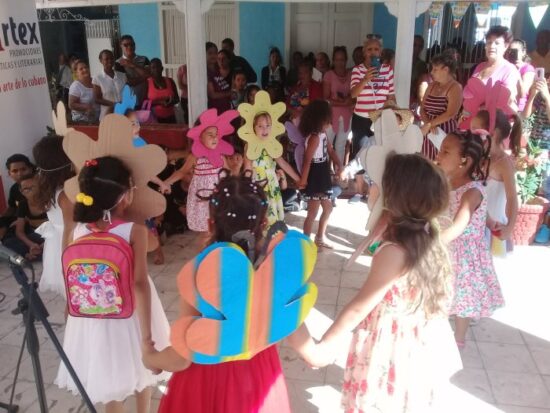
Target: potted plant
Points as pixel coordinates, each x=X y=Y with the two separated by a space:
x=529 y=175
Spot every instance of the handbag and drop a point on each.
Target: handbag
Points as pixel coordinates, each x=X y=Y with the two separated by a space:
x=145 y=114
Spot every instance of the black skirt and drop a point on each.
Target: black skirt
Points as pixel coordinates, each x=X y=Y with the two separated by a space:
x=319 y=183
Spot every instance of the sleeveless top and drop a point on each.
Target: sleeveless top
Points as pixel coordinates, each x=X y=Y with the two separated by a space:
x=123 y=230
x=434 y=106
x=153 y=93
x=321 y=151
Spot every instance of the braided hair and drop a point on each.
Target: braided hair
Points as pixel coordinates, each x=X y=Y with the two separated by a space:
x=237 y=204
x=105 y=180
x=476 y=148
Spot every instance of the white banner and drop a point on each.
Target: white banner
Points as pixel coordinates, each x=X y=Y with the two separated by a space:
x=25 y=108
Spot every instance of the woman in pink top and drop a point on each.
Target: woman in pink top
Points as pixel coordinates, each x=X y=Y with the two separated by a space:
x=162 y=93
x=336 y=91
x=495 y=71
x=517 y=54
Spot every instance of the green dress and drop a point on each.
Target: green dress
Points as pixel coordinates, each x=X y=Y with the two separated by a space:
x=264 y=169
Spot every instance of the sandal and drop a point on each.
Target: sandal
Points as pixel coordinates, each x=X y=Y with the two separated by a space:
x=322 y=244
x=460 y=344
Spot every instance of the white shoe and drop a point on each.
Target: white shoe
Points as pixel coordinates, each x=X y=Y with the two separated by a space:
x=354 y=199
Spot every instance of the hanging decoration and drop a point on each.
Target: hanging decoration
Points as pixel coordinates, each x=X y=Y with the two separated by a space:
x=483 y=9
x=436 y=9
x=459 y=9
x=537 y=10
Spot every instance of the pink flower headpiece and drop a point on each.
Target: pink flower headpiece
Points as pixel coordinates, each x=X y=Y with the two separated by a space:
x=210 y=118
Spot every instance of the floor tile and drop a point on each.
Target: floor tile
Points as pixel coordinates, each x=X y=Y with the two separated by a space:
x=519 y=389
x=507 y=357
x=542 y=359
x=489 y=330
x=475 y=382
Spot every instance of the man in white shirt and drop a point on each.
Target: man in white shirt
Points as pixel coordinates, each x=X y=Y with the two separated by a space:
x=108 y=84
x=136 y=68
x=63 y=79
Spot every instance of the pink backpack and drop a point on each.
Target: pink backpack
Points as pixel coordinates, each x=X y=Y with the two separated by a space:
x=99 y=275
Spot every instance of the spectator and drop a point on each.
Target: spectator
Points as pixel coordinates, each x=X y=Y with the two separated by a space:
x=238 y=62
x=441 y=102
x=108 y=84
x=181 y=78
x=419 y=67
x=388 y=57
x=373 y=88
x=162 y=93
x=305 y=91
x=274 y=74
x=336 y=90
x=496 y=71
x=63 y=79
x=538 y=106
x=292 y=77
x=322 y=65
x=357 y=55
x=73 y=59
x=22 y=238
x=517 y=55
x=136 y=68
x=238 y=86
x=219 y=88
x=250 y=93
x=81 y=96
x=540 y=57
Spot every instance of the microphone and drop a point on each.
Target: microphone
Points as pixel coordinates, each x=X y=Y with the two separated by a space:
x=11 y=256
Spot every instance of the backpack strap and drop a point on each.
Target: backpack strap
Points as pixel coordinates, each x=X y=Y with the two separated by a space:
x=115 y=223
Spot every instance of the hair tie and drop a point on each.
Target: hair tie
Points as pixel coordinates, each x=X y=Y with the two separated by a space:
x=82 y=198
x=91 y=162
x=54 y=169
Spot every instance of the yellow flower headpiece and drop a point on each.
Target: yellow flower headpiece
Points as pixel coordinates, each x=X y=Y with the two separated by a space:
x=82 y=198
x=262 y=104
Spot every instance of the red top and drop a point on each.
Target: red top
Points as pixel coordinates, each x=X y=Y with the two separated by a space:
x=169 y=91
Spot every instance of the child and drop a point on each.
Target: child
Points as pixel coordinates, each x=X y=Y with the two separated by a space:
x=206 y=161
x=316 y=168
x=106 y=353
x=238 y=82
x=256 y=385
x=18 y=166
x=235 y=162
x=31 y=213
x=264 y=169
x=54 y=168
x=476 y=289
x=250 y=93
x=402 y=346
x=502 y=198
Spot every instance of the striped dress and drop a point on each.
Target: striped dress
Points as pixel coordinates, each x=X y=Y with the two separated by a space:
x=435 y=106
x=205 y=178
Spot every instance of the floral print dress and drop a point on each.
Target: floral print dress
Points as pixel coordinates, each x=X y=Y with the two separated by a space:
x=477 y=291
x=264 y=170
x=398 y=358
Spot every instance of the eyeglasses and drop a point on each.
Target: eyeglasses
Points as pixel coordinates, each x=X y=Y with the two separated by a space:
x=374 y=36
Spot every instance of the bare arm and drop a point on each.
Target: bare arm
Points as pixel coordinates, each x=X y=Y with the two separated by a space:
x=67 y=209
x=184 y=170
x=20 y=233
x=74 y=104
x=526 y=82
x=284 y=165
x=142 y=291
x=308 y=156
x=98 y=97
x=453 y=106
x=423 y=114
x=358 y=88
x=167 y=360
x=508 y=175
x=334 y=158
x=469 y=202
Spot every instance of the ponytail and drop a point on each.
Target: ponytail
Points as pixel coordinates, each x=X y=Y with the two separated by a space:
x=515 y=135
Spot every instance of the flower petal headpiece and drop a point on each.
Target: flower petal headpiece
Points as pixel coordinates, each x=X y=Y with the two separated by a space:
x=262 y=104
x=210 y=118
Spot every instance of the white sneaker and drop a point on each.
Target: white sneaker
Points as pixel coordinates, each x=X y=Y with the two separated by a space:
x=354 y=199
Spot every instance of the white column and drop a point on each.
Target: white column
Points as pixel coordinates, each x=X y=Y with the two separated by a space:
x=196 y=56
x=406 y=14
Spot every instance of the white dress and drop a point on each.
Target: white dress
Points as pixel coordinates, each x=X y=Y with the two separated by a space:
x=496 y=210
x=52 y=232
x=106 y=353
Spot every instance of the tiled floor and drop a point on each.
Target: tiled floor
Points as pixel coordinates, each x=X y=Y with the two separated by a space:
x=506 y=361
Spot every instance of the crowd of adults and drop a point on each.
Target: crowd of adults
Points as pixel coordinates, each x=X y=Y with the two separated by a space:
x=442 y=98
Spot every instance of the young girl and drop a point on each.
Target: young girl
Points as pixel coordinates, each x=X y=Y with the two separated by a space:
x=106 y=353
x=476 y=289
x=256 y=385
x=54 y=168
x=402 y=347
x=502 y=198
x=316 y=168
x=264 y=169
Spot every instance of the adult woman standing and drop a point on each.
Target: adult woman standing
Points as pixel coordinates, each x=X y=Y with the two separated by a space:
x=336 y=90
x=372 y=86
x=305 y=91
x=108 y=84
x=517 y=54
x=274 y=74
x=441 y=102
x=491 y=75
x=162 y=93
x=81 y=96
x=219 y=86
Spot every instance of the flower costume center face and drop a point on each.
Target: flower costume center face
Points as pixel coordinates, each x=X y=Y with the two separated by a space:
x=262 y=126
x=209 y=138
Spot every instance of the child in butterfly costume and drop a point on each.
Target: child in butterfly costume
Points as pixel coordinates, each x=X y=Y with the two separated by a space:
x=263 y=152
x=232 y=313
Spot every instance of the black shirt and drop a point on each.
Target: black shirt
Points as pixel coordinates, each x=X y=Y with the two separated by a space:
x=239 y=63
x=15 y=197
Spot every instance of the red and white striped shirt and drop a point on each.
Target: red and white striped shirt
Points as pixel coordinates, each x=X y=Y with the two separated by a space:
x=375 y=93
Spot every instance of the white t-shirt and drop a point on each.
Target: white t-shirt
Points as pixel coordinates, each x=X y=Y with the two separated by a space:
x=111 y=88
x=86 y=96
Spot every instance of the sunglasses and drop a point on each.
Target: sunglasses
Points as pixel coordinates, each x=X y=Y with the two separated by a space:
x=374 y=36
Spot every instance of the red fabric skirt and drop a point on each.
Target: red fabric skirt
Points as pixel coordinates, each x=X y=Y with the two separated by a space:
x=247 y=386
